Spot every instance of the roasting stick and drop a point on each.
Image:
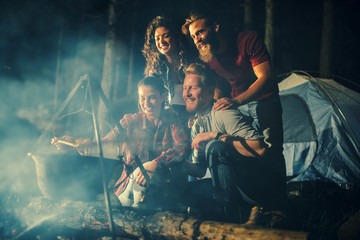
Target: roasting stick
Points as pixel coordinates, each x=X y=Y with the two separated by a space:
x=66 y=143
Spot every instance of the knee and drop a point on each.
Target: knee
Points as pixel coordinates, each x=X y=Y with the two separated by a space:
x=215 y=146
x=125 y=200
x=216 y=151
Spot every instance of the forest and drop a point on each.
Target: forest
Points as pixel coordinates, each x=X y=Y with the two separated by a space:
x=48 y=46
x=41 y=38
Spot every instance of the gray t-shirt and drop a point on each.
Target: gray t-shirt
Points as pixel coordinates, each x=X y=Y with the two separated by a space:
x=229 y=121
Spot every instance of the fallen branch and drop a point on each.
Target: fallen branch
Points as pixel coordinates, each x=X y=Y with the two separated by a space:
x=90 y=218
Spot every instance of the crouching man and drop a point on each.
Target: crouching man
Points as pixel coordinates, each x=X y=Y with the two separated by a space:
x=242 y=171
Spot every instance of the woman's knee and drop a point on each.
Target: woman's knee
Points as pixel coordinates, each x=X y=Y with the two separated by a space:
x=125 y=200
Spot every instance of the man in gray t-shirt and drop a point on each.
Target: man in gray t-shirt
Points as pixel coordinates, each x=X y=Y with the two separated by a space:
x=242 y=170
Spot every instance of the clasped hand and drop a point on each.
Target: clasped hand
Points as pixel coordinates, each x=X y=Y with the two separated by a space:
x=202 y=138
x=67 y=143
x=150 y=168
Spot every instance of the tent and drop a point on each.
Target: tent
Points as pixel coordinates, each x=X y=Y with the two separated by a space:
x=321 y=122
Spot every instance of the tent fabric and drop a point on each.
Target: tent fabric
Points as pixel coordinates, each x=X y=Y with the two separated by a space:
x=299 y=134
x=321 y=130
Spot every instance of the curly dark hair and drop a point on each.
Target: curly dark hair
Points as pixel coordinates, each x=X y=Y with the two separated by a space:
x=150 y=51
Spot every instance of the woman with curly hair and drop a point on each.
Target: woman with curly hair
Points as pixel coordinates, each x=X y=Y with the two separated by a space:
x=166 y=55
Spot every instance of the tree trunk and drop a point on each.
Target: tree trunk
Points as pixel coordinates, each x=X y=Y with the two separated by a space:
x=59 y=83
x=77 y=72
x=248 y=6
x=109 y=62
x=269 y=25
x=131 y=54
x=106 y=85
x=326 y=38
x=80 y=218
x=75 y=75
x=116 y=78
x=58 y=61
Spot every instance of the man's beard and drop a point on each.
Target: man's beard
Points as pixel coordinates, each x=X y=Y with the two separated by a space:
x=201 y=104
x=189 y=109
x=209 y=52
x=206 y=54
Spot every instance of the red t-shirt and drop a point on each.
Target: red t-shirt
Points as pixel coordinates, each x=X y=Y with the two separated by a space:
x=237 y=62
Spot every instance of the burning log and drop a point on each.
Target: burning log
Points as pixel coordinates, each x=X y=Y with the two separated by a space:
x=90 y=219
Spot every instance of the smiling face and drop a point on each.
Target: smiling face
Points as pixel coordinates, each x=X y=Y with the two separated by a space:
x=204 y=39
x=150 y=101
x=164 y=41
x=195 y=96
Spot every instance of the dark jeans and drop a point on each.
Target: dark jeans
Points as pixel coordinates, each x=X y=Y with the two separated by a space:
x=237 y=179
x=267 y=116
x=166 y=188
x=267 y=119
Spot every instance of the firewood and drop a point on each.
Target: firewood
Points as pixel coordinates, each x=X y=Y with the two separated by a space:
x=91 y=218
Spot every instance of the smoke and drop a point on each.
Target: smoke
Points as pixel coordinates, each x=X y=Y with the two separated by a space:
x=28 y=64
x=27 y=105
x=24 y=112
x=41 y=38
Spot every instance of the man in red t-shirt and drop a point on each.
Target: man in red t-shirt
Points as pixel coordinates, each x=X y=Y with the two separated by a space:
x=244 y=62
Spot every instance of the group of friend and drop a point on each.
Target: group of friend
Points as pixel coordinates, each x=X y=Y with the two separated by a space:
x=215 y=112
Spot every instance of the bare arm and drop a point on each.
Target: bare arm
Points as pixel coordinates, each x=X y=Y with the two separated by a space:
x=247 y=148
x=217 y=93
x=222 y=88
x=262 y=72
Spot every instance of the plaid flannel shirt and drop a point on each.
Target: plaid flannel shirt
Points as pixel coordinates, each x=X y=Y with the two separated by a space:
x=167 y=143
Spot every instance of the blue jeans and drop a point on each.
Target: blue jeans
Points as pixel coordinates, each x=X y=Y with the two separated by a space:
x=238 y=179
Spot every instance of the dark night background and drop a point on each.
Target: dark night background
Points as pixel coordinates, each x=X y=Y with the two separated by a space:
x=31 y=53
x=29 y=47
x=30 y=33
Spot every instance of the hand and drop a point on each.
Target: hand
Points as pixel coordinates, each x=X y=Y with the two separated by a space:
x=150 y=169
x=225 y=103
x=83 y=146
x=201 y=138
x=64 y=143
x=67 y=143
